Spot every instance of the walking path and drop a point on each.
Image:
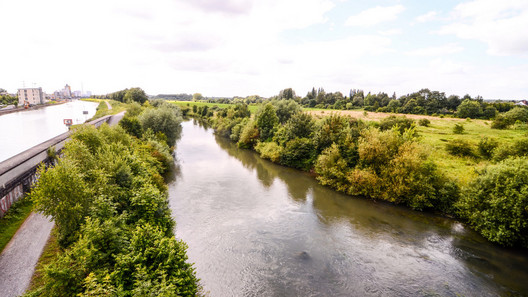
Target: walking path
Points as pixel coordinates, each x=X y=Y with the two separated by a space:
x=19 y=257
x=108 y=105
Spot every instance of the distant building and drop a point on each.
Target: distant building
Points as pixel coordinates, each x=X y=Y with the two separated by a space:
x=67 y=93
x=522 y=103
x=33 y=96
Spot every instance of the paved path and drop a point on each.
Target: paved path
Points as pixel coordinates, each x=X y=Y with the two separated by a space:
x=18 y=259
x=108 y=105
x=114 y=120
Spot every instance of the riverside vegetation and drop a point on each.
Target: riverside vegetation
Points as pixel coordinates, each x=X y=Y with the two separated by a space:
x=483 y=180
x=108 y=198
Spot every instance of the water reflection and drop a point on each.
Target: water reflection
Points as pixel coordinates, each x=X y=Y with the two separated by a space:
x=258 y=229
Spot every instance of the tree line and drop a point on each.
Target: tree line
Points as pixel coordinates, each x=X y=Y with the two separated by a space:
x=108 y=198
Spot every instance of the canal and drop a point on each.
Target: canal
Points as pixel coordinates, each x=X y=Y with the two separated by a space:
x=24 y=129
x=258 y=229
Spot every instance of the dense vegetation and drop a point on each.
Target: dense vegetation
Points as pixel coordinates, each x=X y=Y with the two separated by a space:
x=128 y=96
x=387 y=160
x=8 y=100
x=108 y=199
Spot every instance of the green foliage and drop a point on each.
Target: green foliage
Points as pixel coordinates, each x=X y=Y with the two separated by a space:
x=486 y=147
x=285 y=109
x=469 y=109
x=458 y=128
x=62 y=194
x=266 y=120
x=131 y=125
x=511 y=117
x=269 y=150
x=135 y=95
x=402 y=123
x=424 y=122
x=517 y=149
x=459 y=147
x=164 y=120
x=331 y=129
x=300 y=125
x=249 y=136
x=496 y=203
x=109 y=202
x=15 y=216
x=298 y=153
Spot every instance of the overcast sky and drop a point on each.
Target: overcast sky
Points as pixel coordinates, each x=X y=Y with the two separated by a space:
x=247 y=47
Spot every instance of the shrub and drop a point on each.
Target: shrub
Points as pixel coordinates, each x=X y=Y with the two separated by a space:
x=298 y=153
x=332 y=169
x=495 y=203
x=401 y=122
x=459 y=147
x=486 y=146
x=269 y=150
x=424 y=122
x=249 y=136
x=458 y=128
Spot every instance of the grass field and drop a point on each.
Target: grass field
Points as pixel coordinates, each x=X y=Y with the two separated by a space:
x=438 y=133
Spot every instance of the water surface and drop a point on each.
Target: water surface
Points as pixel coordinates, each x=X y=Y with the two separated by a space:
x=24 y=129
x=258 y=229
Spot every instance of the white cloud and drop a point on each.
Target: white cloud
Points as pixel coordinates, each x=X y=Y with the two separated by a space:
x=376 y=15
x=391 y=32
x=436 y=50
x=500 y=24
x=430 y=16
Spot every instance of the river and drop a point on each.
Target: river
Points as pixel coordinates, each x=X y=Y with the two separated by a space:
x=258 y=229
x=24 y=129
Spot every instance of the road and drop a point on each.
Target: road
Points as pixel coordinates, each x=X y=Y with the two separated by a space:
x=20 y=256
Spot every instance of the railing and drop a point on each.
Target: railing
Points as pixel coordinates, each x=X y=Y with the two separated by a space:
x=18 y=173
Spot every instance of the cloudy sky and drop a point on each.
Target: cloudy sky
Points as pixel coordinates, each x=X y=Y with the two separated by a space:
x=246 y=47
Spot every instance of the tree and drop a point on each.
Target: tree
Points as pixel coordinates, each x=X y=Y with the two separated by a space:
x=164 y=120
x=266 y=120
x=135 y=95
x=469 y=109
x=62 y=194
x=197 y=97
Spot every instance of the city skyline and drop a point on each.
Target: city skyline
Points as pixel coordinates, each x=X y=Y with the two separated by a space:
x=246 y=47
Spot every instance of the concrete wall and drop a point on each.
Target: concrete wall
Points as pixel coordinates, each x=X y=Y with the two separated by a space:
x=18 y=172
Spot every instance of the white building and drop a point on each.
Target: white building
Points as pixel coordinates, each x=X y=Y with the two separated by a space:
x=33 y=96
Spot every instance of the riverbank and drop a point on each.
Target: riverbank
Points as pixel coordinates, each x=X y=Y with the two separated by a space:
x=36 y=107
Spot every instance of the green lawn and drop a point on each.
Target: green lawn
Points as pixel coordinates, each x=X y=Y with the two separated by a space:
x=13 y=219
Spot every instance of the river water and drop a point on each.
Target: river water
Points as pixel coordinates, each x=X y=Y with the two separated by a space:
x=258 y=229
x=24 y=129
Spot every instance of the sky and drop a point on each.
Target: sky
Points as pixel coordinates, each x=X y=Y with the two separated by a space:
x=258 y=47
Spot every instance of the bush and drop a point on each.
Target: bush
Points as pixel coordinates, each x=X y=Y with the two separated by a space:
x=269 y=150
x=459 y=147
x=486 y=146
x=298 y=153
x=401 y=122
x=495 y=203
x=458 y=128
x=424 y=122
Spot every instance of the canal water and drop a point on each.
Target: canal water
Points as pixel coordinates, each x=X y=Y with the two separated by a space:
x=258 y=229
x=24 y=129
